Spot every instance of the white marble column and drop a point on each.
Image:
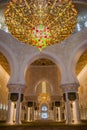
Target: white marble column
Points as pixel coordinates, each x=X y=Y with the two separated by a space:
x=32 y=113
x=59 y=114
x=64 y=114
x=69 y=88
x=14 y=115
x=38 y=114
x=54 y=111
x=16 y=89
x=35 y=114
x=18 y=110
x=76 y=112
x=22 y=114
x=52 y=114
x=68 y=111
x=28 y=114
x=10 y=111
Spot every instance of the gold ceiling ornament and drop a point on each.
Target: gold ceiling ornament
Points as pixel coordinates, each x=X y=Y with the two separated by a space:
x=41 y=23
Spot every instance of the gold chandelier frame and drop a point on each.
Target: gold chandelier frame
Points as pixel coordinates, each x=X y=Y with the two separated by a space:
x=41 y=22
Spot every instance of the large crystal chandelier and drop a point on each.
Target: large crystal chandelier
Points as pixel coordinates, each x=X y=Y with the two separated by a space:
x=41 y=22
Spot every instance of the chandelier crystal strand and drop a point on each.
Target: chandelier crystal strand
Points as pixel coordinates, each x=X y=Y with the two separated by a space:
x=41 y=23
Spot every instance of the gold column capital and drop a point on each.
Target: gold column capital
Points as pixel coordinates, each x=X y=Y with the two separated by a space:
x=16 y=88
x=69 y=87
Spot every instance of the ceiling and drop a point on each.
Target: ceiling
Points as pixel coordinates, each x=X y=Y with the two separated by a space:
x=42 y=62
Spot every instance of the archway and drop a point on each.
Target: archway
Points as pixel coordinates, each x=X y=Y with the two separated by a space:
x=76 y=64
x=44 y=91
x=12 y=61
x=43 y=78
x=43 y=69
x=81 y=72
x=4 y=78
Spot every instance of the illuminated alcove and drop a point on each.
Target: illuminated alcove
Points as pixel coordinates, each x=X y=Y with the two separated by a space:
x=4 y=78
x=81 y=71
x=42 y=70
x=42 y=87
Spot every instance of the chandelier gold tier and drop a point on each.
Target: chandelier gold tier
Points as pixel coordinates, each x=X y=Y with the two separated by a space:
x=41 y=23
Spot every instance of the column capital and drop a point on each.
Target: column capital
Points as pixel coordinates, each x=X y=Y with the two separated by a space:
x=69 y=87
x=16 y=88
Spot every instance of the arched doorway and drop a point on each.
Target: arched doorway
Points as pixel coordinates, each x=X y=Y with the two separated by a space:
x=44 y=92
x=43 y=79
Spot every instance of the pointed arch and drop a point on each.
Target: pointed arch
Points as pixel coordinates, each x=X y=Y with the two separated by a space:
x=75 y=57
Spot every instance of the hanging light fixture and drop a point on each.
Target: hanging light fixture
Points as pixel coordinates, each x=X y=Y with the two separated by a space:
x=41 y=22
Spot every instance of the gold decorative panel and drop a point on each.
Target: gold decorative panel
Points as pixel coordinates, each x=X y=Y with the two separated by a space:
x=4 y=63
x=82 y=62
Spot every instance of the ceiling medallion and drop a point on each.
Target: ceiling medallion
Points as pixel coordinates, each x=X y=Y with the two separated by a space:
x=41 y=22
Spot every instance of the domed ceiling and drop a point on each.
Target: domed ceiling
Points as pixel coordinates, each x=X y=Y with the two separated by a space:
x=81 y=6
